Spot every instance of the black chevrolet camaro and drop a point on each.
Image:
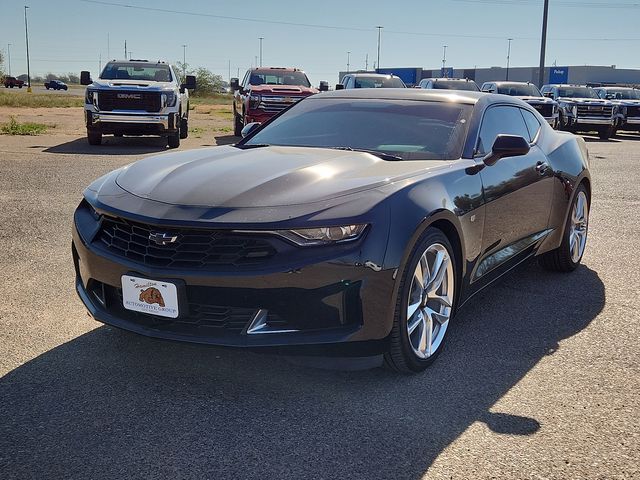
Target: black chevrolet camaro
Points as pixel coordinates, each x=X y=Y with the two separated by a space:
x=356 y=222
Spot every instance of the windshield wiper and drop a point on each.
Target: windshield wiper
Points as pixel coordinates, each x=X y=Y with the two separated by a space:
x=252 y=145
x=382 y=155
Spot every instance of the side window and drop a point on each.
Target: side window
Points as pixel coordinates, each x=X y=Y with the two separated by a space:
x=244 y=80
x=533 y=125
x=500 y=120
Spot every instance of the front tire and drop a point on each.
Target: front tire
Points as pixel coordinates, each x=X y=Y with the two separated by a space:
x=238 y=124
x=94 y=138
x=568 y=255
x=173 y=140
x=425 y=304
x=184 y=128
x=605 y=133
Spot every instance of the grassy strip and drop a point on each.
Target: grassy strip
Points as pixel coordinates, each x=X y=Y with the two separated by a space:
x=15 y=128
x=39 y=100
x=215 y=99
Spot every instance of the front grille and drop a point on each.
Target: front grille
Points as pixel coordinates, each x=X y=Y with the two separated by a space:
x=117 y=100
x=274 y=104
x=600 y=111
x=192 y=248
x=546 y=110
x=633 y=111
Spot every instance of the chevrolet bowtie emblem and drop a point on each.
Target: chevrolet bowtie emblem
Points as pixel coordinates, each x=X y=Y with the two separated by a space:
x=162 y=238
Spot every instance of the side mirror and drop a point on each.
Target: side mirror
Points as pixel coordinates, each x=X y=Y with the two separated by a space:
x=249 y=128
x=506 y=146
x=189 y=83
x=324 y=86
x=234 y=84
x=85 y=78
x=339 y=86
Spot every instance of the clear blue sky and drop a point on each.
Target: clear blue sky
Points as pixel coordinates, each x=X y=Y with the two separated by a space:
x=69 y=35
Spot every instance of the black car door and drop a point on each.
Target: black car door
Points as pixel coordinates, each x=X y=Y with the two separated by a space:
x=517 y=191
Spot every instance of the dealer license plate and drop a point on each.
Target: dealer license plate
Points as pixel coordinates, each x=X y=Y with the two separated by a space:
x=149 y=296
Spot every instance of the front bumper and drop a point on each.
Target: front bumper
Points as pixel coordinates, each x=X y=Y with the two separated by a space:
x=120 y=122
x=326 y=301
x=631 y=123
x=599 y=121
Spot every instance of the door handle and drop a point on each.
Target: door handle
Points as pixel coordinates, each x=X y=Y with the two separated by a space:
x=542 y=167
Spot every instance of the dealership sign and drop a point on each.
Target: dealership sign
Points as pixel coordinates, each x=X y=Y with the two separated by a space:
x=559 y=75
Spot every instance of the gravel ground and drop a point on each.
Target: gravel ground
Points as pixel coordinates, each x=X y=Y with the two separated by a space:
x=539 y=379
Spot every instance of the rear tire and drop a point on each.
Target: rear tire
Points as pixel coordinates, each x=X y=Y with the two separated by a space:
x=425 y=304
x=94 y=138
x=173 y=140
x=238 y=124
x=568 y=255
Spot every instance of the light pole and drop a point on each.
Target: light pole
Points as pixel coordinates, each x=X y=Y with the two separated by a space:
x=379 y=31
x=184 y=61
x=444 y=60
x=261 y=38
x=9 y=57
x=543 y=43
x=26 y=34
x=348 y=58
x=508 y=57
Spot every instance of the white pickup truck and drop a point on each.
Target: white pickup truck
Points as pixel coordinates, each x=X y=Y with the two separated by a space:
x=137 y=97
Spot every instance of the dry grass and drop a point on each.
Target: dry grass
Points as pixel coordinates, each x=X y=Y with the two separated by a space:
x=39 y=100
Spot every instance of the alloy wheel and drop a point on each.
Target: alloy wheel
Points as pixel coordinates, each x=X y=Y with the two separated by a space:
x=579 y=227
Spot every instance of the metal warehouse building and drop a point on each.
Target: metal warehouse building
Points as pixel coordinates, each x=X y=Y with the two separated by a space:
x=579 y=74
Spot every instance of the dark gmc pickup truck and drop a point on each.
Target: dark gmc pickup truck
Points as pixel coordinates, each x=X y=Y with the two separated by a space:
x=265 y=91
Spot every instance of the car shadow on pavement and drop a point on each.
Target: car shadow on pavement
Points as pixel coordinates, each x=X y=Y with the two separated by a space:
x=110 y=404
x=112 y=146
x=227 y=139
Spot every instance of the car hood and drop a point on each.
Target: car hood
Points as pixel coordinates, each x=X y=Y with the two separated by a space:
x=537 y=99
x=626 y=102
x=283 y=90
x=132 y=84
x=262 y=177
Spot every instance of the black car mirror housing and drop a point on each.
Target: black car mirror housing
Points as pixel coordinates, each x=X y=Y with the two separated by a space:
x=507 y=146
x=189 y=83
x=339 y=86
x=85 y=78
x=234 y=84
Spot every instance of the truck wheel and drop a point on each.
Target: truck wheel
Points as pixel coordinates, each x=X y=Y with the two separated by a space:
x=605 y=133
x=184 y=128
x=173 y=140
x=94 y=138
x=238 y=124
x=19 y=86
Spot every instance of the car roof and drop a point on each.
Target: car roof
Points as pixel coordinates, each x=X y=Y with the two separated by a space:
x=504 y=82
x=436 y=79
x=280 y=69
x=457 y=96
x=374 y=75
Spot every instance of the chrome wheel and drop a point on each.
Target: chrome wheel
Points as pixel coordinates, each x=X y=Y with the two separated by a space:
x=579 y=227
x=430 y=301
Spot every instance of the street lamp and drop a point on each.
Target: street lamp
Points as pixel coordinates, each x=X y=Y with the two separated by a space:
x=543 y=43
x=508 y=57
x=9 y=57
x=444 y=60
x=379 y=31
x=348 y=58
x=261 y=38
x=184 y=61
x=26 y=34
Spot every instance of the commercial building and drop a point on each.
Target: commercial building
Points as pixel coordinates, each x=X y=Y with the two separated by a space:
x=578 y=74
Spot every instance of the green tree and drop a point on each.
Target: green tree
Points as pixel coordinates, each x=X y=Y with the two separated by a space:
x=207 y=82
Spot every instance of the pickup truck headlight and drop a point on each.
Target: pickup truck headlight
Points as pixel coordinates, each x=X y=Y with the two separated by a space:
x=88 y=96
x=572 y=110
x=254 y=101
x=169 y=99
x=323 y=235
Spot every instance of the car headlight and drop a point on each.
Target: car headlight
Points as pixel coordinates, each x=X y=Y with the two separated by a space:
x=323 y=235
x=88 y=96
x=254 y=101
x=571 y=110
x=169 y=99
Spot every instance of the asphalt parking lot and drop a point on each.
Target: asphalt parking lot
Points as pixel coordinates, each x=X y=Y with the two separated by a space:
x=539 y=379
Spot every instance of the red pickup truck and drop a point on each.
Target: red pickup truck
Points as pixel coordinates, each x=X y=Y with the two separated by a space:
x=265 y=91
x=10 y=82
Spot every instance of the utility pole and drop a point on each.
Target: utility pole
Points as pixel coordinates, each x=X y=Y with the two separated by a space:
x=26 y=34
x=379 y=30
x=508 y=57
x=366 y=62
x=444 y=60
x=229 y=71
x=125 y=49
x=100 y=62
x=543 y=43
x=9 y=57
x=184 y=61
x=261 y=38
x=348 y=58
x=108 y=47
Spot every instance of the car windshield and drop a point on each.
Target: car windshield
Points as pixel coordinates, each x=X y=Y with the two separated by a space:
x=278 y=77
x=624 y=94
x=378 y=82
x=408 y=129
x=137 y=71
x=577 y=92
x=455 y=85
x=526 y=90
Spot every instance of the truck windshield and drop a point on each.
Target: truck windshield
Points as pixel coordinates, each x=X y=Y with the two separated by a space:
x=378 y=82
x=455 y=85
x=624 y=94
x=527 y=90
x=577 y=92
x=408 y=129
x=137 y=71
x=278 y=77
